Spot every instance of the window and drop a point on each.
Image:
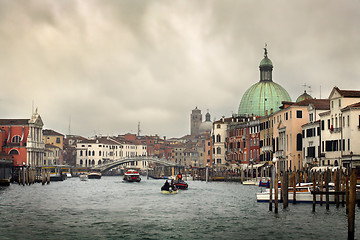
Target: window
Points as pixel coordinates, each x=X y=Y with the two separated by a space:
x=348 y=120
x=349 y=144
x=322 y=124
x=16 y=139
x=81 y=153
x=14 y=152
x=339 y=102
x=329 y=124
x=298 y=142
x=57 y=140
x=218 y=126
x=286 y=116
x=218 y=150
x=332 y=104
x=298 y=114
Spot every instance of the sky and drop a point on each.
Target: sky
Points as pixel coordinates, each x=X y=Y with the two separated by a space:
x=99 y=67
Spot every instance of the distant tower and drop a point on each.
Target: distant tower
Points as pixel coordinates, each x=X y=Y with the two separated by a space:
x=195 y=121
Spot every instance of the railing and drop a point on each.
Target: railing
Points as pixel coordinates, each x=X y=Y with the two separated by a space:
x=335 y=130
x=266 y=148
x=279 y=153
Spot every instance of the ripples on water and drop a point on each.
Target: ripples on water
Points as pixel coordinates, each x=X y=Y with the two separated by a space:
x=111 y=209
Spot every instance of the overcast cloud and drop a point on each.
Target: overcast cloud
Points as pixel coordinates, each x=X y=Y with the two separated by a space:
x=107 y=65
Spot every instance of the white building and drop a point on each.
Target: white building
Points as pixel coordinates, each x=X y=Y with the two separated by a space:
x=339 y=128
x=311 y=132
x=219 y=137
x=351 y=134
x=92 y=152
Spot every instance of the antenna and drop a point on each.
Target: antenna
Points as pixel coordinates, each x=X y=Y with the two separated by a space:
x=69 y=124
x=139 y=129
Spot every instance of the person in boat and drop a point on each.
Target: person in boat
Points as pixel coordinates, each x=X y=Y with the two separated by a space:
x=172 y=185
x=179 y=176
x=166 y=186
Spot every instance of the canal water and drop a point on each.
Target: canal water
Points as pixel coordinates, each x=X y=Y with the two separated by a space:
x=112 y=209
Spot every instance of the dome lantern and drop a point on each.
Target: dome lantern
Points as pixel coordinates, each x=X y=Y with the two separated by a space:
x=265 y=94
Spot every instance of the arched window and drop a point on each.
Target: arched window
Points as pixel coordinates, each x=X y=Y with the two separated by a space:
x=99 y=153
x=336 y=163
x=218 y=138
x=81 y=162
x=16 y=139
x=93 y=162
x=99 y=162
x=89 y=153
x=14 y=152
x=81 y=153
x=93 y=153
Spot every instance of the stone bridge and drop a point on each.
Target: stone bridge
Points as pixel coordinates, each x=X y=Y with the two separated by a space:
x=109 y=165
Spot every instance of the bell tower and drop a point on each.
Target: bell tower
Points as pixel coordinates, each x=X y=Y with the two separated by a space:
x=195 y=121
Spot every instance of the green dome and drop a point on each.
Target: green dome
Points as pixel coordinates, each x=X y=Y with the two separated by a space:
x=266 y=62
x=303 y=97
x=262 y=96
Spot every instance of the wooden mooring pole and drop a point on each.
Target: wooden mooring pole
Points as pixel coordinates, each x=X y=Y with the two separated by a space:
x=314 y=195
x=352 y=200
x=276 y=186
x=271 y=189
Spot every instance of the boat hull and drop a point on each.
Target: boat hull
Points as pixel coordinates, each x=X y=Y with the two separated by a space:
x=94 y=176
x=169 y=192
x=301 y=197
x=132 y=178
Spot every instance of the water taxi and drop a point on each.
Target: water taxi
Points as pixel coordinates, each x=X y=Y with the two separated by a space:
x=132 y=175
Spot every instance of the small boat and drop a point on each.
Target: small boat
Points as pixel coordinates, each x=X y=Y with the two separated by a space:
x=83 y=177
x=161 y=177
x=132 y=176
x=94 y=175
x=169 y=192
x=303 y=195
x=180 y=184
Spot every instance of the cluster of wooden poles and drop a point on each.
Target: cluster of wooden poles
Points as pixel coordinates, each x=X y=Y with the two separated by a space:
x=27 y=176
x=345 y=187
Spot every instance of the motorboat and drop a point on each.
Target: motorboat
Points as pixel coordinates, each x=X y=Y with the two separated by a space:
x=132 y=175
x=83 y=177
x=94 y=175
x=303 y=195
x=180 y=184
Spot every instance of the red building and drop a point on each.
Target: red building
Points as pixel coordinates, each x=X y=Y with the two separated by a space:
x=243 y=141
x=22 y=139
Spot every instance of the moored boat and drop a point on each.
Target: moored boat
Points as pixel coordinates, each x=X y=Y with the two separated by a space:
x=132 y=175
x=94 y=175
x=303 y=195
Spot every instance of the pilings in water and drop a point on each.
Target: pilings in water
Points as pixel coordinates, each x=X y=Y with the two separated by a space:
x=336 y=184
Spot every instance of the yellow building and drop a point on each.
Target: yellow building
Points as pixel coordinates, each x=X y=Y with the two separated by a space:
x=53 y=138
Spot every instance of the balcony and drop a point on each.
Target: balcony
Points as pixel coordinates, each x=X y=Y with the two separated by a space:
x=335 y=130
x=266 y=149
x=280 y=154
